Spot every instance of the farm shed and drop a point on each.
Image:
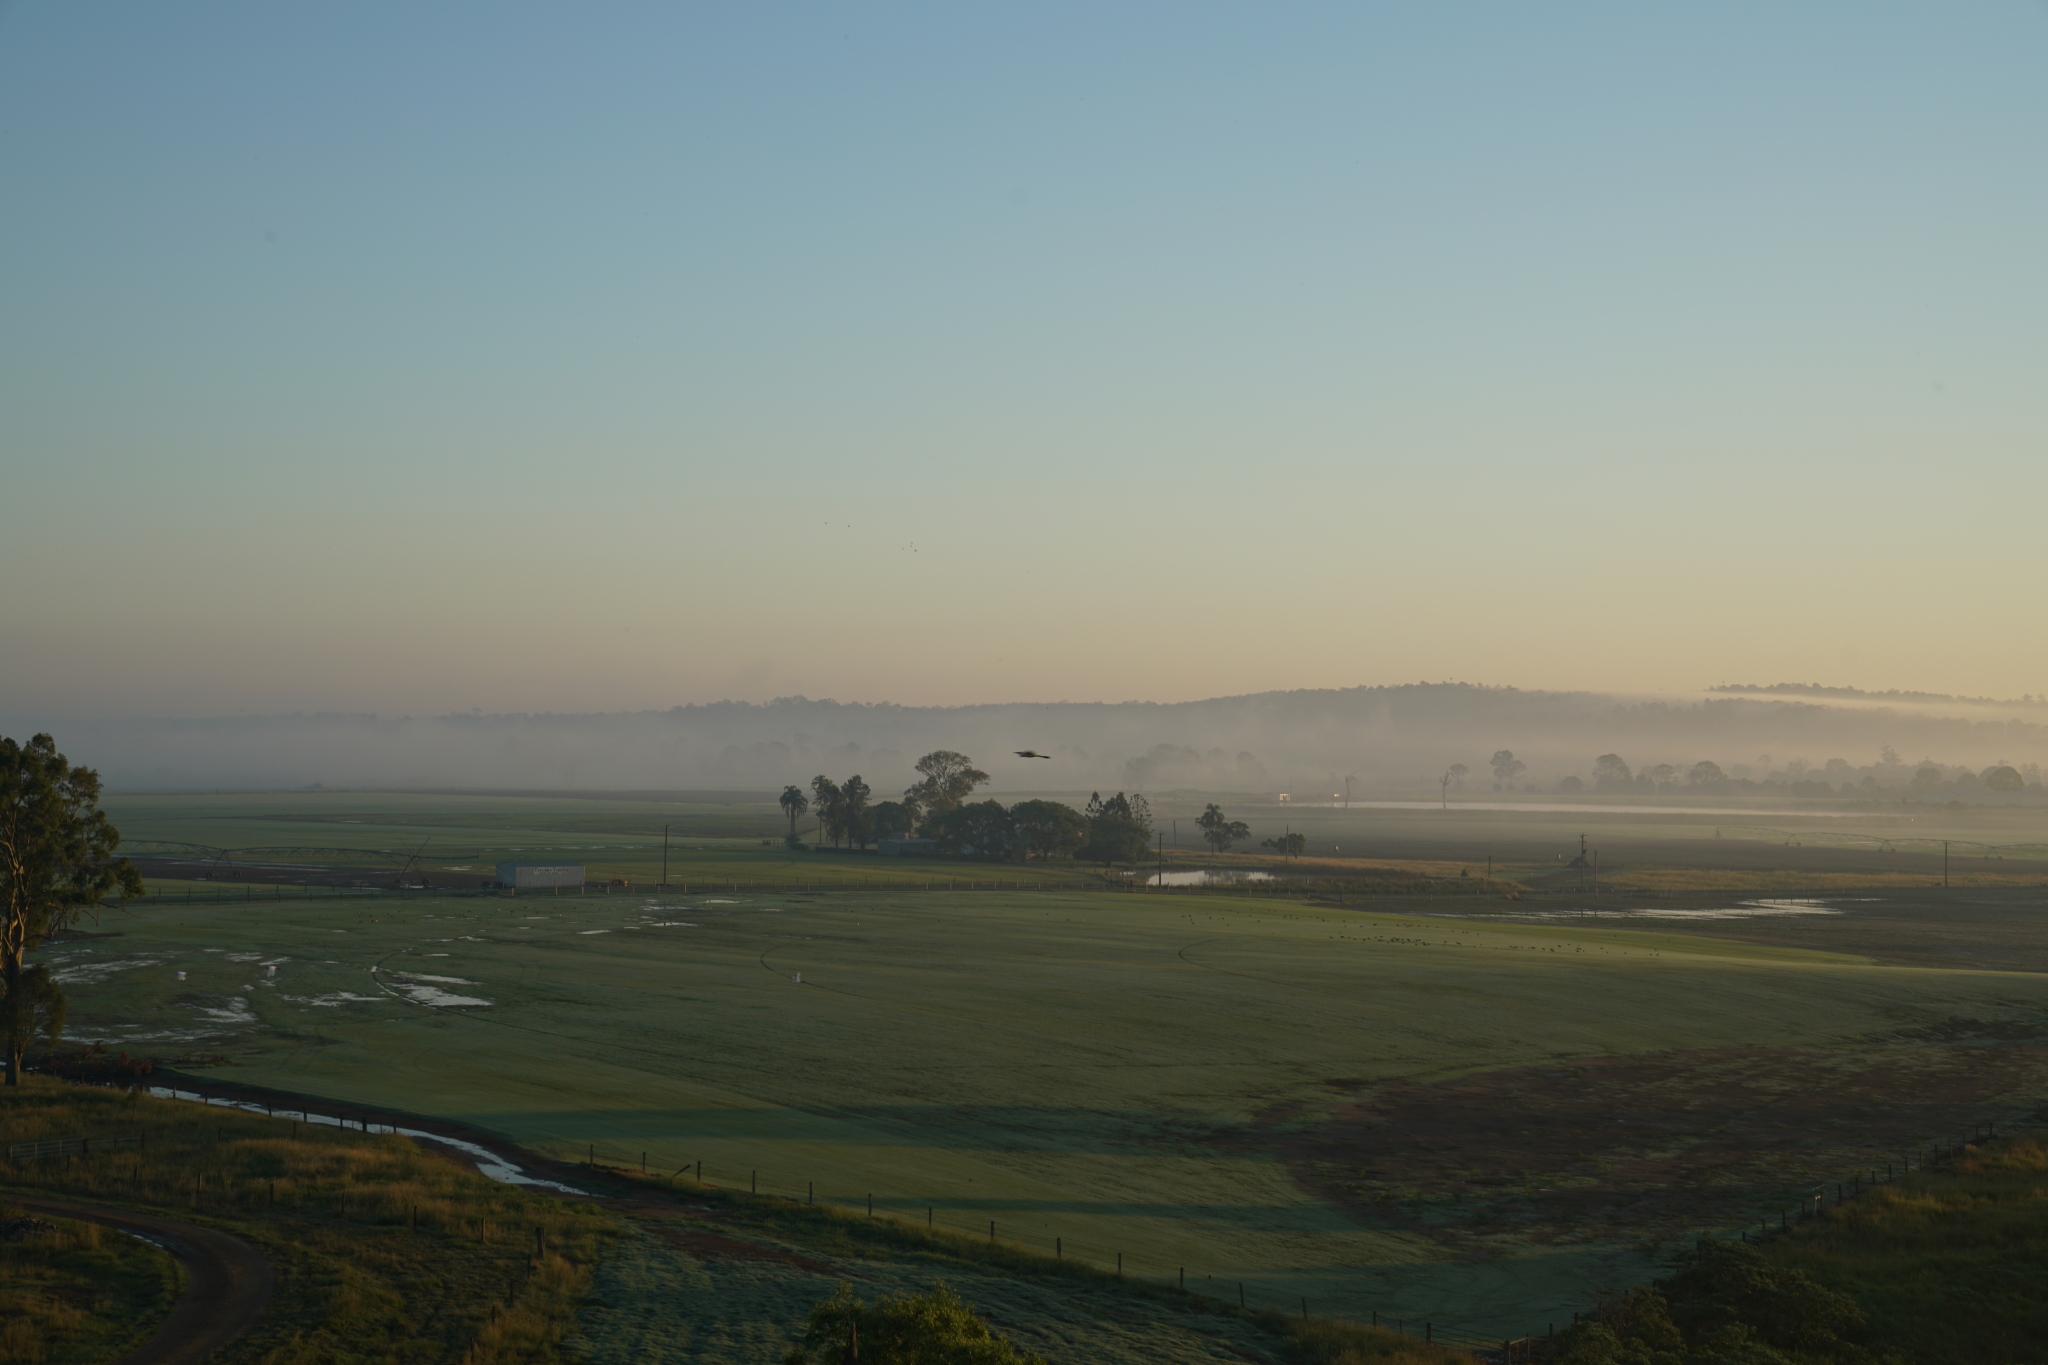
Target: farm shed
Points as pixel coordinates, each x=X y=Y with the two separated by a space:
x=523 y=875
x=906 y=848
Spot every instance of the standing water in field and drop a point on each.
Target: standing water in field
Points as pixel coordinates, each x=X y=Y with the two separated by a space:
x=1207 y=878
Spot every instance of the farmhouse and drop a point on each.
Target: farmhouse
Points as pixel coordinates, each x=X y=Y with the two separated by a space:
x=524 y=875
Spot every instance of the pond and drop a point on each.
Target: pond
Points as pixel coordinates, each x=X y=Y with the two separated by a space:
x=1206 y=878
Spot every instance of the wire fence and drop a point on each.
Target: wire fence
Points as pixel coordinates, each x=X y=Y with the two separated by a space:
x=247 y=892
x=30 y=1151
x=1815 y=1203
x=1015 y=1234
x=1362 y=896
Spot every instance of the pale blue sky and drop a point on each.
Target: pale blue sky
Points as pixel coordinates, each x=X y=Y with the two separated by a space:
x=412 y=358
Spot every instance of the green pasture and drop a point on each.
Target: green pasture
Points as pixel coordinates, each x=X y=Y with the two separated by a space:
x=1651 y=846
x=461 y=838
x=1098 y=1068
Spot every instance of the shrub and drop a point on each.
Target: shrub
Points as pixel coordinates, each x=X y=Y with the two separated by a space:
x=939 y=1328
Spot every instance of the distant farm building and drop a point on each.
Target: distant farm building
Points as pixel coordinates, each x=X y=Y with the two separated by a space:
x=906 y=848
x=521 y=876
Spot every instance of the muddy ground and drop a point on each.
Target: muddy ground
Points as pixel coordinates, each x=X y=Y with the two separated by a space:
x=1652 y=1147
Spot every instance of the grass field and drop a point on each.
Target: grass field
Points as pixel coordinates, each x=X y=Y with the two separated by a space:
x=455 y=838
x=383 y=1252
x=1477 y=1121
x=1948 y=1264
x=386 y=1252
x=715 y=1276
x=80 y=1295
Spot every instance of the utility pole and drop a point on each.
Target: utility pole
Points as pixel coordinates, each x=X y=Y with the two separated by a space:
x=664 y=857
x=1161 y=836
x=1944 y=862
x=1445 y=784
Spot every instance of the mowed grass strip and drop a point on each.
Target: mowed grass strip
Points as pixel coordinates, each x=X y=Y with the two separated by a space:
x=383 y=1251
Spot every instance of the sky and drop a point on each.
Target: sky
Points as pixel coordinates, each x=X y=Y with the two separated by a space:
x=419 y=359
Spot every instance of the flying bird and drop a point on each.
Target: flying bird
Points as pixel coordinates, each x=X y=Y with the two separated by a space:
x=1032 y=753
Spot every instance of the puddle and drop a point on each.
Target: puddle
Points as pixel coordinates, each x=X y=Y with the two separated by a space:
x=235 y=1012
x=333 y=1000
x=434 y=996
x=1764 y=909
x=91 y=973
x=1571 y=808
x=593 y=931
x=1207 y=878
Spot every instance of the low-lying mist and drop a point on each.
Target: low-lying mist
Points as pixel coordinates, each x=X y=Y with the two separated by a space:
x=1388 y=740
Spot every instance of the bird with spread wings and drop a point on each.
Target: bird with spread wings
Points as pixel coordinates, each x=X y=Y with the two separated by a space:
x=1031 y=753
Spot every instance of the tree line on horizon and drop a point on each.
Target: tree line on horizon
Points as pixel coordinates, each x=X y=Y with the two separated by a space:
x=1888 y=778
x=938 y=807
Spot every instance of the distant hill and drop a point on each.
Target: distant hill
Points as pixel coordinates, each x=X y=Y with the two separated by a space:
x=1391 y=739
x=1894 y=695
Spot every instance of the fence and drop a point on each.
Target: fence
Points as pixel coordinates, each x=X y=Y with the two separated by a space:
x=1360 y=891
x=29 y=1151
x=1104 y=1259
x=1815 y=1204
x=1101 y=1258
x=187 y=895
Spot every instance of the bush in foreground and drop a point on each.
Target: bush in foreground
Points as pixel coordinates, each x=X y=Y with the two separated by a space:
x=938 y=1328
x=1725 y=1303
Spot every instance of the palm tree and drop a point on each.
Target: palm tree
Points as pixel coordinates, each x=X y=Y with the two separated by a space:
x=826 y=800
x=794 y=803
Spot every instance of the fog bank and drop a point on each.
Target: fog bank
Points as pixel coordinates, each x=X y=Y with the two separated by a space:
x=1389 y=739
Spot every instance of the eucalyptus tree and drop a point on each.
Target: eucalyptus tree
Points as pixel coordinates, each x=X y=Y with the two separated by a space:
x=946 y=779
x=56 y=862
x=1219 y=831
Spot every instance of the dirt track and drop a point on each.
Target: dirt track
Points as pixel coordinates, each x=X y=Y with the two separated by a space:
x=227 y=1281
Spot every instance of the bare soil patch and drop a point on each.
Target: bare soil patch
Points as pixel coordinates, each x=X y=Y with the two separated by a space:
x=1642 y=1148
x=702 y=1244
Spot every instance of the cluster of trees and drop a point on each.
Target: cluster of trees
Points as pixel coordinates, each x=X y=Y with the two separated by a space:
x=845 y=813
x=1116 y=830
x=56 y=860
x=1724 y=1304
x=1887 y=778
x=938 y=807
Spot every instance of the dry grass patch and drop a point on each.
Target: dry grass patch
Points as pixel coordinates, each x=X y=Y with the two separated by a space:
x=383 y=1252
